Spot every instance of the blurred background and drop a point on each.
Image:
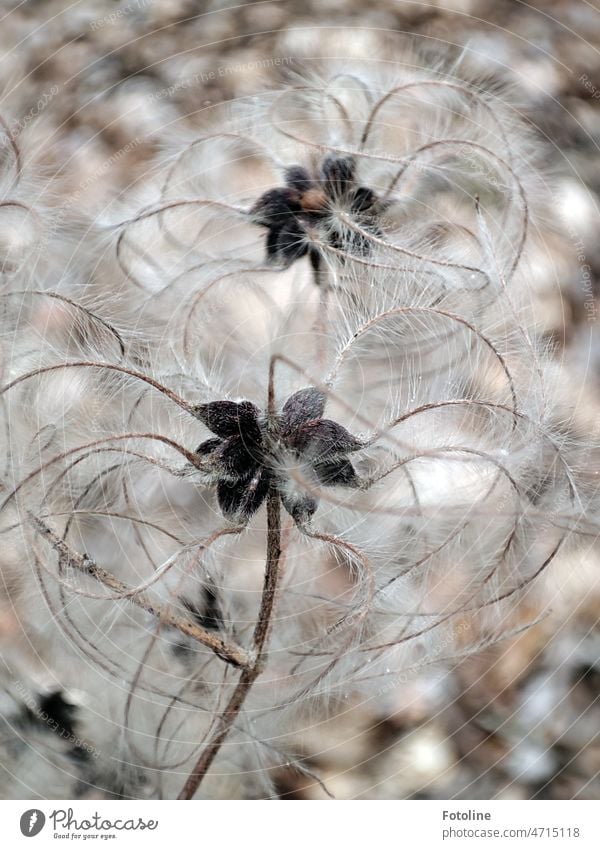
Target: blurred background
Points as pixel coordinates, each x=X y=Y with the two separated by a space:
x=98 y=90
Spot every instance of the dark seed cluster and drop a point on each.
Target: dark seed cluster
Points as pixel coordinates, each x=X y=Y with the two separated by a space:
x=248 y=455
x=303 y=203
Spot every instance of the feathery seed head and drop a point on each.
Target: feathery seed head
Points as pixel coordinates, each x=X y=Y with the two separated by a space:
x=246 y=458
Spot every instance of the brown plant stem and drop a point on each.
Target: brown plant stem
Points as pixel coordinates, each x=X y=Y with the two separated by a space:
x=260 y=638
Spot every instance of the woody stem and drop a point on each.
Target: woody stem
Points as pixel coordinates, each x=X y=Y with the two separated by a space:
x=260 y=638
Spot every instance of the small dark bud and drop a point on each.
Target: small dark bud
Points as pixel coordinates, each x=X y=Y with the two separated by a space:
x=300 y=506
x=337 y=175
x=239 y=500
x=208 y=446
x=363 y=199
x=244 y=462
x=303 y=406
x=275 y=207
x=290 y=242
x=237 y=459
x=337 y=473
x=298 y=179
x=207 y=613
x=228 y=418
x=324 y=438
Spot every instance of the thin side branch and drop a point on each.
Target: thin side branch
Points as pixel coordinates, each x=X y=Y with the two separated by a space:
x=228 y=652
